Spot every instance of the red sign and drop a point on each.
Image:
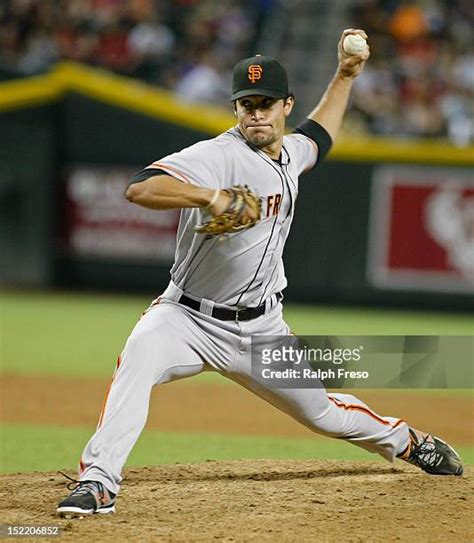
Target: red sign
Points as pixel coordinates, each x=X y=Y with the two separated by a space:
x=421 y=232
x=99 y=222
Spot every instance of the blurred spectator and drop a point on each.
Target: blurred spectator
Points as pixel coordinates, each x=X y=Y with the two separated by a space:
x=408 y=22
x=39 y=53
x=150 y=39
x=152 y=44
x=204 y=82
x=420 y=78
x=113 y=51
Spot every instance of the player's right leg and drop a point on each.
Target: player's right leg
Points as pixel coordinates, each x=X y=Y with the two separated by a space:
x=163 y=347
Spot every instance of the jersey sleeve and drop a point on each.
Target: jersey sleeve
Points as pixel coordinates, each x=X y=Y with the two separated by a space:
x=200 y=164
x=305 y=151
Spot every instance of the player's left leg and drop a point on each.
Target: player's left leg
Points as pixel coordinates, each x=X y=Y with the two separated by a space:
x=342 y=416
x=336 y=415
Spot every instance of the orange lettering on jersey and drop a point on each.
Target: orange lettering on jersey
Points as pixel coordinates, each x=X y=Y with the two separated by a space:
x=254 y=72
x=273 y=204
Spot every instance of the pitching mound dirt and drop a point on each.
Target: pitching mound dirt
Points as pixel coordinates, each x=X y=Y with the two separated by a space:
x=259 y=501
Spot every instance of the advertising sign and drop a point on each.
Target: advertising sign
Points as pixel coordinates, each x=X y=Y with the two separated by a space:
x=99 y=222
x=421 y=232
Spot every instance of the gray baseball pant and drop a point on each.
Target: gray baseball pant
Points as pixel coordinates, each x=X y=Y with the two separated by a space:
x=172 y=341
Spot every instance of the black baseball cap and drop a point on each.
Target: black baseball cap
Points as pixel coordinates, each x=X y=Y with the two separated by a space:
x=259 y=75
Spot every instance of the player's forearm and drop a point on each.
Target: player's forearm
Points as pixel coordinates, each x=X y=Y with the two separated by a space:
x=332 y=106
x=164 y=192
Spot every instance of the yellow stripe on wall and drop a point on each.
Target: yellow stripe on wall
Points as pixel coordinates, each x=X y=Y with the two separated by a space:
x=147 y=100
x=384 y=149
x=142 y=98
x=21 y=93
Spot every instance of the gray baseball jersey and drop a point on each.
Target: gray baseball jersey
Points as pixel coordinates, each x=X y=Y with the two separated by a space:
x=245 y=268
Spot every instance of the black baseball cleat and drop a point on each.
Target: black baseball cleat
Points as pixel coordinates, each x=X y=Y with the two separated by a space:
x=87 y=498
x=432 y=455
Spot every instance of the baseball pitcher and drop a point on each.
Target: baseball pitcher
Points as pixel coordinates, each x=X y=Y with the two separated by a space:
x=237 y=196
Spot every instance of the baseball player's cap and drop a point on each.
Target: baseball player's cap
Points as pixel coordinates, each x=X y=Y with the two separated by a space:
x=259 y=75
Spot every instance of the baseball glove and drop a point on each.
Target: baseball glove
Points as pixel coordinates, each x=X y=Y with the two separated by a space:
x=243 y=212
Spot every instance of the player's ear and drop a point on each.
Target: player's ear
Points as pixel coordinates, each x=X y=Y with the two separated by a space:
x=234 y=107
x=288 y=105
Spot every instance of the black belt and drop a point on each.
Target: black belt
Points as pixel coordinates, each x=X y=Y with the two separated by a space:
x=245 y=314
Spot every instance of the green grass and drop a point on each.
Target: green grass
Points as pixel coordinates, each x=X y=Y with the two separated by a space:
x=82 y=334
x=63 y=334
x=44 y=448
x=369 y=321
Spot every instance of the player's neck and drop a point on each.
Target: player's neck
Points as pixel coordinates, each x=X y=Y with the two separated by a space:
x=273 y=150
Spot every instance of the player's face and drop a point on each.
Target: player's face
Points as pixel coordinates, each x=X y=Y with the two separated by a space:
x=262 y=119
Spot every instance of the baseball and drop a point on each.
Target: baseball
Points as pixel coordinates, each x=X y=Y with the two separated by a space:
x=354 y=44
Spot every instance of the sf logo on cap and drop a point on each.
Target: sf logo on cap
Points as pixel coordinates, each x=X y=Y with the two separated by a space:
x=254 y=72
